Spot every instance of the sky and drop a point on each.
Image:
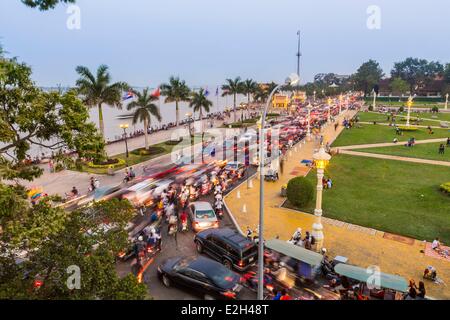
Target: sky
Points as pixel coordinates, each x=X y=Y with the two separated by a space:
x=204 y=42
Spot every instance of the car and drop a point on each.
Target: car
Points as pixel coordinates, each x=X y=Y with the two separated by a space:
x=235 y=167
x=202 y=275
x=202 y=216
x=248 y=136
x=102 y=193
x=227 y=246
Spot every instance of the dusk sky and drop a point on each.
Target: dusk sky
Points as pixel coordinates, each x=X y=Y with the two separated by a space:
x=204 y=42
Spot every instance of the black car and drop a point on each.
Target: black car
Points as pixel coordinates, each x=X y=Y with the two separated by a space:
x=205 y=276
x=227 y=246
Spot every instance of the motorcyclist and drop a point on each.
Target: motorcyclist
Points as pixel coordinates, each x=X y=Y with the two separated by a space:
x=74 y=192
x=183 y=219
x=139 y=247
x=154 y=239
x=297 y=237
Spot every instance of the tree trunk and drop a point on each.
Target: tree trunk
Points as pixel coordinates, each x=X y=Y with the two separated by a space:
x=177 y=113
x=100 y=121
x=201 y=120
x=234 y=102
x=146 y=133
x=248 y=105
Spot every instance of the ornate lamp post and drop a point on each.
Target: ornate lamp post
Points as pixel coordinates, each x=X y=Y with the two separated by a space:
x=124 y=126
x=374 y=100
x=341 y=99
x=191 y=135
x=409 y=105
x=308 y=132
x=321 y=159
x=446 y=101
x=314 y=95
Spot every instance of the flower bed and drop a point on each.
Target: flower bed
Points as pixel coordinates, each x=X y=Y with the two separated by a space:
x=406 y=128
x=110 y=163
x=445 y=188
x=148 y=152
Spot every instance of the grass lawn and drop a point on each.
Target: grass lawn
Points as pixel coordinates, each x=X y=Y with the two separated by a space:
x=401 y=119
x=369 y=133
x=396 y=103
x=393 y=196
x=423 y=151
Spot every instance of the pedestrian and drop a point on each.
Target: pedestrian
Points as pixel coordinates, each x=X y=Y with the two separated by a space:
x=441 y=149
x=51 y=166
x=422 y=292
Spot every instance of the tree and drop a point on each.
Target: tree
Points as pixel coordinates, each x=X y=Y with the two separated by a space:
x=447 y=73
x=417 y=72
x=368 y=75
x=98 y=90
x=249 y=88
x=300 y=191
x=199 y=102
x=399 y=86
x=45 y=4
x=88 y=239
x=144 y=109
x=176 y=91
x=30 y=116
x=233 y=87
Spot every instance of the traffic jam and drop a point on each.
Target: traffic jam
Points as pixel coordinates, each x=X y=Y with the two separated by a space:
x=182 y=242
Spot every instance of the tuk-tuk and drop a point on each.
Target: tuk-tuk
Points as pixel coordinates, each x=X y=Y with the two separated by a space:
x=385 y=286
x=304 y=266
x=303 y=262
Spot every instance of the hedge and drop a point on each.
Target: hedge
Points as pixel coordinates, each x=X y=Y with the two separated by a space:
x=300 y=192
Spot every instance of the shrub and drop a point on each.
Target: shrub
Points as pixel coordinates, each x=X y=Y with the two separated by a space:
x=173 y=142
x=406 y=128
x=371 y=108
x=411 y=119
x=445 y=188
x=401 y=109
x=300 y=191
x=435 y=109
x=148 y=152
x=110 y=163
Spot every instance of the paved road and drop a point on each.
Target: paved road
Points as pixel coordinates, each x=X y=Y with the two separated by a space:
x=171 y=247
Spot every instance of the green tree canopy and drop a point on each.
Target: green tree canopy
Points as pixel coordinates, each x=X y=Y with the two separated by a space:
x=143 y=110
x=199 y=102
x=233 y=87
x=176 y=91
x=45 y=4
x=30 y=116
x=417 y=72
x=367 y=76
x=98 y=90
x=399 y=86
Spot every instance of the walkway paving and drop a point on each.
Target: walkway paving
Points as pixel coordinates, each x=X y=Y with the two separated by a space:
x=389 y=125
x=397 y=158
x=364 y=247
x=388 y=144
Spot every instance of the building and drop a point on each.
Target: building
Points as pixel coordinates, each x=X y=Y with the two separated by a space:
x=280 y=101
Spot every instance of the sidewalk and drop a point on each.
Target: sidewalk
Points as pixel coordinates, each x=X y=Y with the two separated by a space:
x=364 y=247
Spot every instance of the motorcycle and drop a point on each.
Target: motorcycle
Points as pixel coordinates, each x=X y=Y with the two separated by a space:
x=173 y=225
x=219 y=208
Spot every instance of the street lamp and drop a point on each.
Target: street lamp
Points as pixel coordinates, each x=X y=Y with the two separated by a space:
x=292 y=80
x=409 y=105
x=308 y=132
x=321 y=159
x=314 y=95
x=341 y=98
x=446 y=101
x=124 y=126
x=374 y=99
x=189 y=119
x=329 y=102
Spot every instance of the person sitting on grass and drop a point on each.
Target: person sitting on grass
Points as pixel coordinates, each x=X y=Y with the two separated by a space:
x=448 y=142
x=430 y=131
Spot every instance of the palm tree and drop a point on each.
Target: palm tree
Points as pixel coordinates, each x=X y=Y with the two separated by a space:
x=144 y=109
x=200 y=102
x=175 y=91
x=249 y=87
x=97 y=90
x=232 y=87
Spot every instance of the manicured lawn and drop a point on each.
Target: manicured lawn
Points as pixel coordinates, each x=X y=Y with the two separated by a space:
x=369 y=133
x=401 y=118
x=423 y=151
x=393 y=196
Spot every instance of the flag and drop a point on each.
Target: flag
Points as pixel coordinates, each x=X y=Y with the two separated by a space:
x=217 y=91
x=129 y=95
x=206 y=92
x=156 y=93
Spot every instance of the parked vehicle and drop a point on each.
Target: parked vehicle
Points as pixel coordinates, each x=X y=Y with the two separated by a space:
x=202 y=275
x=202 y=216
x=227 y=246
